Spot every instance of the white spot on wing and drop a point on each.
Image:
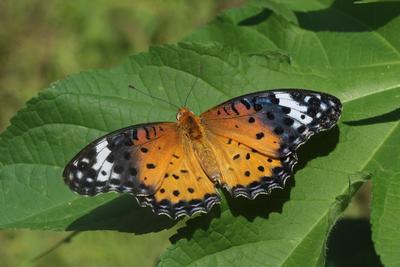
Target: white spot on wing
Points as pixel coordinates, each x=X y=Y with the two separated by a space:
x=292 y=104
x=107 y=166
x=115 y=175
x=296 y=124
x=295 y=114
x=282 y=95
x=101 y=145
x=101 y=157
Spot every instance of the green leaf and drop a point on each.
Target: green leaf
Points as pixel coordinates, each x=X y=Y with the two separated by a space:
x=263 y=45
x=358 y=60
x=385 y=215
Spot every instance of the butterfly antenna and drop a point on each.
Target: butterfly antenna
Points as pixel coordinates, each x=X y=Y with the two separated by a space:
x=190 y=91
x=193 y=85
x=149 y=95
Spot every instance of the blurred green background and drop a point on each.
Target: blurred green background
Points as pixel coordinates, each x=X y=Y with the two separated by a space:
x=44 y=41
x=41 y=42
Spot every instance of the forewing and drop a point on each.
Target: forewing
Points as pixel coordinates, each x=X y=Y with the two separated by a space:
x=129 y=160
x=274 y=122
x=185 y=189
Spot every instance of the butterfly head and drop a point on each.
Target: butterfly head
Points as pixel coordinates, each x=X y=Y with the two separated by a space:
x=184 y=113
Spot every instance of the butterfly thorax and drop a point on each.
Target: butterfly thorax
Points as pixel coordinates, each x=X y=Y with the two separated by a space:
x=190 y=126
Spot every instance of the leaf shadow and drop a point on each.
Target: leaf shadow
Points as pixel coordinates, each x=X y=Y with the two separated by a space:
x=122 y=214
x=203 y=222
x=318 y=146
x=393 y=115
x=353 y=17
x=350 y=244
x=326 y=19
x=256 y=19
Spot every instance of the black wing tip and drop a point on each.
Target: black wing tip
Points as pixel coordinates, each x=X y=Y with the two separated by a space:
x=333 y=112
x=315 y=99
x=182 y=208
x=325 y=111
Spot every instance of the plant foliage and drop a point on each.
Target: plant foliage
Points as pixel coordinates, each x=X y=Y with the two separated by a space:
x=327 y=46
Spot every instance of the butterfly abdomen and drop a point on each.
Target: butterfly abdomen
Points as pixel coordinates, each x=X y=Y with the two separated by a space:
x=207 y=160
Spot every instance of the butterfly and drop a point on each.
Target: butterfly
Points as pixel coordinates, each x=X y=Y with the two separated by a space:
x=246 y=145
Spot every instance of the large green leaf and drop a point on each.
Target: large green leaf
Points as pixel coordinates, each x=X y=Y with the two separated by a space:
x=357 y=58
x=265 y=45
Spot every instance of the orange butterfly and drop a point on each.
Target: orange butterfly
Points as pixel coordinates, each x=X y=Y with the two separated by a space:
x=246 y=145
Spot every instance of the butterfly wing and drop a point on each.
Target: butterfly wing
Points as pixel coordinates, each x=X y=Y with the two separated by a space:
x=128 y=160
x=186 y=189
x=246 y=171
x=149 y=161
x=272 y=124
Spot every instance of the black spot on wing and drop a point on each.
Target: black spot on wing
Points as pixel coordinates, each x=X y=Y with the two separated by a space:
x=234 y=108
x=288 y=121
x=286 y=110
x=150 y=166
x=147 y=133
x=118 y=169
x=260 y=135
x=246 y=103
x=270 y=115
x=265 y=184
x=82 y=166
x=133 y=171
